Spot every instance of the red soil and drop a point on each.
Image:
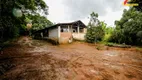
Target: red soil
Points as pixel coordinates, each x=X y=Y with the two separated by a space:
x=38 y=60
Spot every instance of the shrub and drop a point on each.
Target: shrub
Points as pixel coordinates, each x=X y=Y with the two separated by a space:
x=94 y=34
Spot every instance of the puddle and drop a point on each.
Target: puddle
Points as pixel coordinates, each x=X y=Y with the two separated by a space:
x=39 y=50
x=106 y=64
x=115 y=67
x=111 y=54
x=94 y=71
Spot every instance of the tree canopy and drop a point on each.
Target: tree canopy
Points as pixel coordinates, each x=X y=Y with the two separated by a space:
x=27 y=6
x=95 y=30
x=129 y=28
x=14 y=14
x=38 y=22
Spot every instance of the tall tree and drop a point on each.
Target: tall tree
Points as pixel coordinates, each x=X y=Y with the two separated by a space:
x=12 y=15
x=93 y=20
x=128 y=29
x=95 y=31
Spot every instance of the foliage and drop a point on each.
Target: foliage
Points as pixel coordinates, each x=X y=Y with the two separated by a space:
x=117 y=45
x=108 y=32
x=129 y=28
x=95 y=31
x=93 y=20
x=13 y=13
x=94 y=34
x=38 y=22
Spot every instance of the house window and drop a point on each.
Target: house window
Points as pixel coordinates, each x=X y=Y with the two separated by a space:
x=74 y=31
x=64 y=29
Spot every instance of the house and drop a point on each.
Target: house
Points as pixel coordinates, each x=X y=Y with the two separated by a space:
x=64 y=32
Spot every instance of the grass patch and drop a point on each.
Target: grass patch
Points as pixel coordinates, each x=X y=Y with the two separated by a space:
x=117 y=45
x=139 y=48
x=98 y=48
x=110 y=44
x=106 y=37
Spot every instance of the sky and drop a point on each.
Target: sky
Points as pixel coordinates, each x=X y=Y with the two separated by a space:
x=62 y=11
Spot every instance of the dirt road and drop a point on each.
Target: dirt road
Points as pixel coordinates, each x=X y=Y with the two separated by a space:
x=38 y=60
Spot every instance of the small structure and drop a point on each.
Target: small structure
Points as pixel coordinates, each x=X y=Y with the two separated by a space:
x=63 y=32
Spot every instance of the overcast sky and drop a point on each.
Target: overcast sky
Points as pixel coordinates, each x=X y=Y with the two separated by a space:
x=72 y=10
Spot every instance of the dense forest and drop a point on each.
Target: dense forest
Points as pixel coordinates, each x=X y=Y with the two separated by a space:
x=16 y=14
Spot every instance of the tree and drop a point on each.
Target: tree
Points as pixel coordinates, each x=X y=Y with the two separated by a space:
x=95 y=31
x=108 y=32
x=12 y=13
x=39 y=22
x=93 y=20
x=128 y=29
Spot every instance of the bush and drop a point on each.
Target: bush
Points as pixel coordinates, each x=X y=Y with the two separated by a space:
x=94 y=34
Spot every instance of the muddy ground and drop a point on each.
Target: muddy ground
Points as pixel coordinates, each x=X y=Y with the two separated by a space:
x=29 y=59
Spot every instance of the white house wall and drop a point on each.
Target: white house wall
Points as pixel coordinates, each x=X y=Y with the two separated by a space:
x=53 y=33
x=79 y=36
x=64 y=37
